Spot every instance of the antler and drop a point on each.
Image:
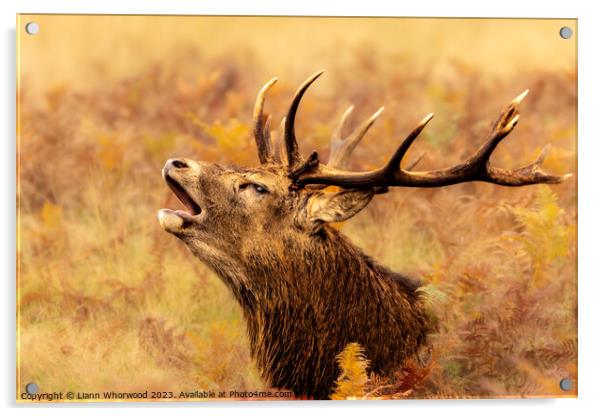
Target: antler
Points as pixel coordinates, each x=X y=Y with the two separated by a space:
x=261 y=124
x=341 y=148
x=311 y=171
x=290 y=141
x=475 y=168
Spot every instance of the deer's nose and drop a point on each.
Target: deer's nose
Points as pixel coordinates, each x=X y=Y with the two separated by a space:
x=175 y=166
x=176 y=163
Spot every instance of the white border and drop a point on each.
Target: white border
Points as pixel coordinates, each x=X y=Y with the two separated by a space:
x=590 y=137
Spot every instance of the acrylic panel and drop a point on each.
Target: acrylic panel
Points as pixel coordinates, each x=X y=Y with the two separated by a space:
x=283 y=208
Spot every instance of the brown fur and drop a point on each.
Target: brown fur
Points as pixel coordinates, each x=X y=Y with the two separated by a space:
x=305 y=290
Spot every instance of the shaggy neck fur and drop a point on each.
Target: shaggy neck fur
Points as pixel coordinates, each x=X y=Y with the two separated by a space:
x=302 y=309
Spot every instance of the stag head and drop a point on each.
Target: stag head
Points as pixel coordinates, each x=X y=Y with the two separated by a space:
x=238 y=218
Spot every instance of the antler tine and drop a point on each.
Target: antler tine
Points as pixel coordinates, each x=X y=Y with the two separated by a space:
x=416 y=161
x=264 y=148
x=501 y=128
x=337 y=134
x=290 y=141
x=279 y=151
x=476 y=168
x=267 y=137
x=341 y=148
x=395 y=160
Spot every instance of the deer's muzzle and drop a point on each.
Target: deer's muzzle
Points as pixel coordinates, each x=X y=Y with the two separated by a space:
x=170 y=220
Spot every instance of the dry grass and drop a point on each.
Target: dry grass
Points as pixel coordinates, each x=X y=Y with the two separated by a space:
x=110 y=301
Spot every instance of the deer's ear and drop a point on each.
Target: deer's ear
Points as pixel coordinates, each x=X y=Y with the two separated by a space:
x=325 y=207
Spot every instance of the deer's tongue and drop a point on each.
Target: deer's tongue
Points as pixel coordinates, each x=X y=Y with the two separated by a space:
x=171 y=221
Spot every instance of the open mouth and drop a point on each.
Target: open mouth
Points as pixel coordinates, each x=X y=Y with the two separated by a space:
x=192 y=208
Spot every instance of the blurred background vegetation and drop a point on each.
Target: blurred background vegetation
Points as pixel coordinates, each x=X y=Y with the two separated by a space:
x=108 y=300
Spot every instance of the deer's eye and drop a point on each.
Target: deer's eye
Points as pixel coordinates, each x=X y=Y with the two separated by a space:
x=256 y=187
x=259 y=189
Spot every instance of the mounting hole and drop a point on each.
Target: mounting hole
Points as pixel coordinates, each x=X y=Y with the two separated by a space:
x=566 y=32
x=566 y=384
x=32 y=28
x=32 y=388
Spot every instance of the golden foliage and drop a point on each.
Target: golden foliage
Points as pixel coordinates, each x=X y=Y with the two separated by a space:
x=219 y=355
x=230 y=137
x=544 y=235
x=51 y=214
x=354 y=377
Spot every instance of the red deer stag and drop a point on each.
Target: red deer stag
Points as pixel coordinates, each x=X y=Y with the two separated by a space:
x=305 y=290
